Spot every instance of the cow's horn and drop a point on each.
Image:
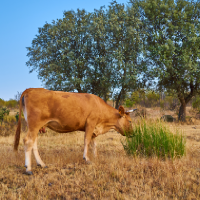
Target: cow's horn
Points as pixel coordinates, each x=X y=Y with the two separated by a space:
x=130 y=111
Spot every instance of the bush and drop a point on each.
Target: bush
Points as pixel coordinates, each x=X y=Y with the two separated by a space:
x=154 y=140
x=171 y=102
x=132 y=99
x=2 y=102
x=196 y=103
x=10 y=124
x=129 y=103
x=152 y=98
x=162 y=104
x=11 y=103
x=9 y=119
x=3 y=112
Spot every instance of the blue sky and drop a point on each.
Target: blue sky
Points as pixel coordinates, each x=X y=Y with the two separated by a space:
x=19 y=24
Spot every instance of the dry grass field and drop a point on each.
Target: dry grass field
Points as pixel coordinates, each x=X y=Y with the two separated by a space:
x=112 y=175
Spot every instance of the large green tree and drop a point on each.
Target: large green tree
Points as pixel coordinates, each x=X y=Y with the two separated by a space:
x=60 y=53
x=101 y=70
x=173 y=45
x=89 y=52
x=124 y=48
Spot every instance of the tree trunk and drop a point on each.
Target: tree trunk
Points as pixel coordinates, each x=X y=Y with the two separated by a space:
x=118 y=100
x=105 y=97
x=182 y=112
x=185 y=100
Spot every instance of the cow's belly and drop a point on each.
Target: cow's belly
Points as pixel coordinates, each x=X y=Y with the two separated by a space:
x=55 y=126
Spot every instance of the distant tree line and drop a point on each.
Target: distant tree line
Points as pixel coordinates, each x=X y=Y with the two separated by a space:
x=151 y=98
x=12 y=103
x=118 y=49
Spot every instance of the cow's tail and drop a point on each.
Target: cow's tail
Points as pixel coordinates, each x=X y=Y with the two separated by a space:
x=17 y=134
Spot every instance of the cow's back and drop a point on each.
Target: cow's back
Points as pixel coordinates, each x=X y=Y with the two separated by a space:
x=62 y=111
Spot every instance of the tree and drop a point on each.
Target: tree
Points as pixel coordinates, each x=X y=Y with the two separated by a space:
x=125 y=48
x=101 y=70
x=60 y=53
x=95 y=52
x=173 y=45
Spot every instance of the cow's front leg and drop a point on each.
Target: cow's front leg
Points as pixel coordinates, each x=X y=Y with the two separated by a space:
x=93 y=145
x=86 y=144
x=88 y=136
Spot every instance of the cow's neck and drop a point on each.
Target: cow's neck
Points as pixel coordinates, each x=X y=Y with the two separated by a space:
x=107 y=123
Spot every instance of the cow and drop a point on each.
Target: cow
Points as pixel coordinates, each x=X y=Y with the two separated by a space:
x=66 y=112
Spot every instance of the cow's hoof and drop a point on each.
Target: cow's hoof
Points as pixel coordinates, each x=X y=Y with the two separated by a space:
x=87 y=161
x=29 y=173
x=41 y=166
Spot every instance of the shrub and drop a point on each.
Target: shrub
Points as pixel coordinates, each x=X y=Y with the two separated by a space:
x=17 y=116
x=9 y=119
x=128 y=103
x=2 y=102
x=9 y=126
x=162 y=104
x=196 y=103
x=154 y=140
x=11 y=103
x=171 y=102
x=3 y=112
x=132 y=99
x=152 y=98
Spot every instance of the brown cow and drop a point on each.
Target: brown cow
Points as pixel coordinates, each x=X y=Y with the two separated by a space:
x=65 y=112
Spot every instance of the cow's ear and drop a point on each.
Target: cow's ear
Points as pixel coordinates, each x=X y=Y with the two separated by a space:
x=121 y=110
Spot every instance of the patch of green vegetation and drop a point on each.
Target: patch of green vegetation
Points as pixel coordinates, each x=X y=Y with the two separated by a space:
x=196 y=103
x=154 y=139
x=3 y=112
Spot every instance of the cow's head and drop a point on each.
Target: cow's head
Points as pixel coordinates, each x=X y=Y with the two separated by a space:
x=124 y=123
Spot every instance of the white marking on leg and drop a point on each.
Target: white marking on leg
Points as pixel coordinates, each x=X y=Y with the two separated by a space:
x=28 y=145
x=36 y=154
x=85 y=152
x=28 y=160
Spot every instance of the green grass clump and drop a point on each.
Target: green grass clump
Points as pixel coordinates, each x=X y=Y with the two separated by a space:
x=154 y=139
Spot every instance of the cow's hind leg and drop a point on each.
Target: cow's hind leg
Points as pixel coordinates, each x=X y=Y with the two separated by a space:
x=28 y=146
x=37 y=156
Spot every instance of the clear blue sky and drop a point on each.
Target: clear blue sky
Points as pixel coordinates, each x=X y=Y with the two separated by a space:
x=19 y=24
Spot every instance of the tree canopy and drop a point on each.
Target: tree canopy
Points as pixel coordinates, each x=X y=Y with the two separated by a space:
x=172 y=43
x=89 y=52
x=115 y=50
